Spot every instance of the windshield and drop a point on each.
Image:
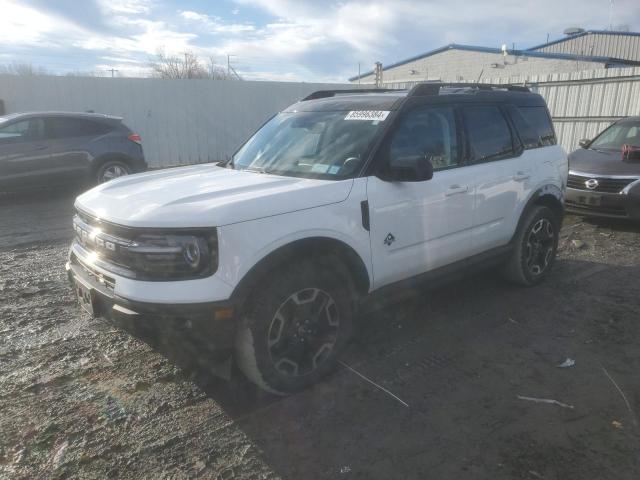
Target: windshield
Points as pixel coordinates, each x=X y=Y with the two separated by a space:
x=329 y=145
x=617 y=135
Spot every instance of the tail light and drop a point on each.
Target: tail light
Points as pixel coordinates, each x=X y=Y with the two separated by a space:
x=134 y=137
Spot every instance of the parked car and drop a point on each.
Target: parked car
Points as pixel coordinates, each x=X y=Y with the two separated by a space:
x=604 y=176
x=338 y=198
x=52 y=148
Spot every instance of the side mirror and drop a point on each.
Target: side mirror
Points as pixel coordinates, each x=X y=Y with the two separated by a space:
x=630 y=153
x=584 y=143
x=410 y=169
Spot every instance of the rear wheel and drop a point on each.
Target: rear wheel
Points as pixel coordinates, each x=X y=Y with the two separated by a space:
x=295 y=326
x=112 y=169
x=535 y=249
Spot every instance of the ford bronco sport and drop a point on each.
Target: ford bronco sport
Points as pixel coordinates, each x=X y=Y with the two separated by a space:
x=343 y=194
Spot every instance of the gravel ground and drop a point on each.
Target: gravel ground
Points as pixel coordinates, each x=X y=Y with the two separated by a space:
x=80 y=398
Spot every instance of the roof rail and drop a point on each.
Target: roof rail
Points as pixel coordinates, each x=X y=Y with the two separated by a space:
x=433 y=88
x=333 y=93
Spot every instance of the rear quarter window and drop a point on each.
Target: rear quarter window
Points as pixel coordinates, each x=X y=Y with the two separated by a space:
x=534 y=126
x=488 y=133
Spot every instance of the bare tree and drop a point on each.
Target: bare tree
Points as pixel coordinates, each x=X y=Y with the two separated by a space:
x=22 y=69
x=82 y=73
x=187 y=65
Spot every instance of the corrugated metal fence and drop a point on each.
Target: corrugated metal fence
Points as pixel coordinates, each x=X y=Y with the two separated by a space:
x=180 y=121
x=581 y=103
x=193 y=121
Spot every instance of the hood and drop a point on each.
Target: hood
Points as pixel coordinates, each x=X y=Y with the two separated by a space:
x=602 y=162
x=205 y=195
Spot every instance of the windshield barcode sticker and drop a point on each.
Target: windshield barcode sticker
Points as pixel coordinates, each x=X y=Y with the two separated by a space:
x=368 y=115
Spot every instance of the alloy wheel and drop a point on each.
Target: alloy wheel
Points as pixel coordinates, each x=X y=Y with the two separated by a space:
x=303 y=332
x=113 y=171
x=539 y=246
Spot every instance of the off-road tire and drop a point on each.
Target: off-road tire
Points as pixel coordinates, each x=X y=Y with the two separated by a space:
x=252 y=351
x=517 y=270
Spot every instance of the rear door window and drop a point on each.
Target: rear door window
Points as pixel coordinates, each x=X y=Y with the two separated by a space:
x=75 y=127
x=488 y=133
x=534 y=126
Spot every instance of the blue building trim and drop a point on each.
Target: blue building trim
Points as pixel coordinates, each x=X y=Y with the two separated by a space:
x=517 y=53
x=586 y=32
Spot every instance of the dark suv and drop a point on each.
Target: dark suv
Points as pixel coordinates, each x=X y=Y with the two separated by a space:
x=53 y=148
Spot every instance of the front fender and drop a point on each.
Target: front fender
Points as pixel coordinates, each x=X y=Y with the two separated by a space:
x=244 y=245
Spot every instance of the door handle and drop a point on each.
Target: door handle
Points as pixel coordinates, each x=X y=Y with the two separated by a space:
x=521 y=176
x=41 y=147
x=456 y=189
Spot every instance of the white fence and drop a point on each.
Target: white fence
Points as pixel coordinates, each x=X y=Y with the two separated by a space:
x=180 y=121
x=581 y=103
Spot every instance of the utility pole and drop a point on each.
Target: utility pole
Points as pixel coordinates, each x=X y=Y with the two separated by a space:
x=611 y=5
x=358 y=73
x=113 y=71
x=378 y=74
x=229 y=64
x=231 y=69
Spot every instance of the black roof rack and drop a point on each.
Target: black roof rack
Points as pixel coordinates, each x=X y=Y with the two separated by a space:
x=333 y=93
x=433 y=88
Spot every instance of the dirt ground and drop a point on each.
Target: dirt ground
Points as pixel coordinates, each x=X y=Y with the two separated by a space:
x=80 y=398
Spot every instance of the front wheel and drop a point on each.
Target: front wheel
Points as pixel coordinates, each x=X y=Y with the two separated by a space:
x=536 y=244
x=295 y=326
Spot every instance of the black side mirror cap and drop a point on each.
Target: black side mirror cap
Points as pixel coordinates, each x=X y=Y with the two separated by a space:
x=584 y=143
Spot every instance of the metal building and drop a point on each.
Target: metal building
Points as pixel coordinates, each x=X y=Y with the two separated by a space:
x=605 y=43
x=585 y=50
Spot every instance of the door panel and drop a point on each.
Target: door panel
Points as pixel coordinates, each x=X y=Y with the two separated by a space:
x=419 y=226
x=496 y=196
x=24 y=155
x=498 y=171
x=70 y=140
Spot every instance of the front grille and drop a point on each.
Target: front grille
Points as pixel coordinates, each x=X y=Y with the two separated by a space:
x=604 y=210
x=605 y=185
x=109 y=245
x=94 y=274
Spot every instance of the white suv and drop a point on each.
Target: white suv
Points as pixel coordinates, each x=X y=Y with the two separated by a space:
x=269 y=256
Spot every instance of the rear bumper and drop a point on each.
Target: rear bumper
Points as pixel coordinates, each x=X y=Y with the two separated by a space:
x=209 y=326
x=608 y=205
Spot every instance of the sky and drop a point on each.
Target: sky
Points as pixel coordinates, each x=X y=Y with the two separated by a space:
x=289 y=40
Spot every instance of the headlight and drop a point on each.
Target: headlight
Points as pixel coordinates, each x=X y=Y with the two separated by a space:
x=150 y=254
x=173 y=256
x=191 y=251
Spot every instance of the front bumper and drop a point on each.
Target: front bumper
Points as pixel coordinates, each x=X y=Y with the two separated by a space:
x=600 y=204
x=209 y=325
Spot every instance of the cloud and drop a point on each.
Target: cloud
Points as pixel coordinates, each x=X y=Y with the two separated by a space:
x=311 y=40
x=215 y=24
x=24 y=25
x=127 y=6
